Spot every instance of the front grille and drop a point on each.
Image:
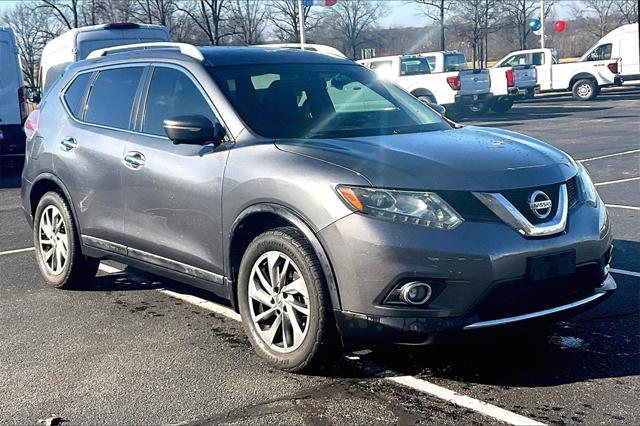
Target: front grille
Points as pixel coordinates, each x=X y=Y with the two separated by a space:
x=519 y=297
x=572 y=192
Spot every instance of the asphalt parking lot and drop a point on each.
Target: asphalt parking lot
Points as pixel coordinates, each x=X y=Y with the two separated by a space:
x=137 y=349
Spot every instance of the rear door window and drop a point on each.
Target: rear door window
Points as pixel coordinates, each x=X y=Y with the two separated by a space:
x=454 y=63
x=414 y=66
x=171 y=94
x=537 y=58
x=112 y=96
x=74 y=96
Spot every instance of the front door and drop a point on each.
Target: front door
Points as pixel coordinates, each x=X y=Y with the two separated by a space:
x=173 y=192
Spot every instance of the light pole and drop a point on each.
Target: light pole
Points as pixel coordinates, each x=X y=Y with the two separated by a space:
x=301 y=23
x=542 y=24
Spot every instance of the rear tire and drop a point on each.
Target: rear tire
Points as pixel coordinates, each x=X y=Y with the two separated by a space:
x=502 y=105
x=57 y=245
x=584 y=90
x=276 y=271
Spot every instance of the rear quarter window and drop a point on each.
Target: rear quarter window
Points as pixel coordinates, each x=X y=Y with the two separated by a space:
x=112 y=96
x=74 y=96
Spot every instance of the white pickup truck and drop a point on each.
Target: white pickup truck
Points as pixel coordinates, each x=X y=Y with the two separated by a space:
x=508 y=84
x=457 y=91
x=583 y=79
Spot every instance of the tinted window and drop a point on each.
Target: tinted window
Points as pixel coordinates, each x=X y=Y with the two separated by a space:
x=537 y=58
x=316 y=101
x=455 y=62
x=171 y=94
x=600 y=53
x=74 y=96
x=112 y=96
x=414 y=66
x=520 y=59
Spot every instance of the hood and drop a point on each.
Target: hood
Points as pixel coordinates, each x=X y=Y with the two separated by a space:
x=469 y=159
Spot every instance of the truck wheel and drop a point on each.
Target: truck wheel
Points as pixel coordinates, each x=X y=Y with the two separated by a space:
x=284 y=302
x=500 y=106
x=57 y=245
x=427 y=98
x=478 y=109
x=584 y=90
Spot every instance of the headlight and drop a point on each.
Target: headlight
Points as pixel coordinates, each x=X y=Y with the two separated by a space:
x=588 y=192
x=421 y=208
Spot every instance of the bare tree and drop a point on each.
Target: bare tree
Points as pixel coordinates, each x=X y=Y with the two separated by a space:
x=437 y=10
x=602 y=14
x=155 y=11
x=518 y=14
x=249 y=17
x=628 y=9
x=211 y=17
x=284 y=18
x=33 y=29
x=352 y=19
x=67 y=11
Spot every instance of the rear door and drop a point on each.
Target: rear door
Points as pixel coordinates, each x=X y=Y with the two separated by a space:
x=173 y=195
x=91 y=147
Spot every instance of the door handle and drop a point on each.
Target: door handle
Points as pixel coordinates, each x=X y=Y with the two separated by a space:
x=134 y=159
x=68 y=143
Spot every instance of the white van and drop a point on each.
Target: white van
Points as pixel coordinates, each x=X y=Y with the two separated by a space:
x=620 y=43
x=76 y=44
x=13 y=108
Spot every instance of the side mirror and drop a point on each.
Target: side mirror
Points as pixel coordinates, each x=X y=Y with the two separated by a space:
x=193 y=130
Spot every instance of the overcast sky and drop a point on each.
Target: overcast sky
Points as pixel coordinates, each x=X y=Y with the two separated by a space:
x=403 y=13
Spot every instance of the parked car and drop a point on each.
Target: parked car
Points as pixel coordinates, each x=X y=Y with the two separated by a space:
x=76 y=44
x=620 y=43
x=13 y=109
x=583 y=79
x=328 y=205
x=320 y=48
x=458 y=91
x=508 y=84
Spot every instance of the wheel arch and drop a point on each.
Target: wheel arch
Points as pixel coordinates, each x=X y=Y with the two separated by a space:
x=422 y=92
x=582 y=76
x=259 y=218
x=47 y=182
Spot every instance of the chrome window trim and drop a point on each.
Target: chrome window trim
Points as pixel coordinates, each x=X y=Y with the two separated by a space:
x=609 y=284
x=99 y=68
x=88 y=94
x=509 y=214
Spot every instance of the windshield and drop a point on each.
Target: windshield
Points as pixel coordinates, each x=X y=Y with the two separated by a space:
x=455 y=62
x=320 y=101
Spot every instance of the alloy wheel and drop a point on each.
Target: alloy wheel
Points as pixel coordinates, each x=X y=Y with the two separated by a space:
x=584 y=90
x=53 y=240
x=279 y=302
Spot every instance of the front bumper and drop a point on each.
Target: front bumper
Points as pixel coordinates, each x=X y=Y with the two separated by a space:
x=465 y=266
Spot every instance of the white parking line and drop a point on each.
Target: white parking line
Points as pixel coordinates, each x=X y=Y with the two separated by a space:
x=609 y=155
x=617 y=181
x=2 y=253
x=619 y=206
x=407 y=381
x=463 y=400
x=625 y=272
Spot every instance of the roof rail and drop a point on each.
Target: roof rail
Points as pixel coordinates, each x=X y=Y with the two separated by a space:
x=184 y=48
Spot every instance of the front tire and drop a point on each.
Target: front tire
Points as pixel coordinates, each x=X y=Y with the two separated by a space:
x=584 y=90
x=284 y=302
x=57 y=245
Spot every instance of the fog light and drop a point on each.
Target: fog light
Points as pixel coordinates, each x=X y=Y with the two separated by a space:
x=415 y=293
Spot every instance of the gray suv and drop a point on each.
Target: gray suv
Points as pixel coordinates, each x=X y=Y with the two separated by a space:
x=326 y=205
